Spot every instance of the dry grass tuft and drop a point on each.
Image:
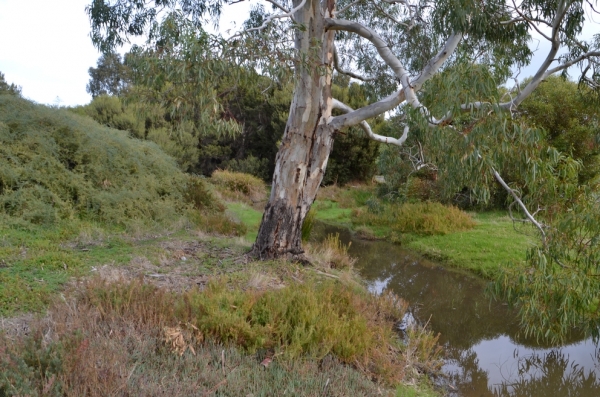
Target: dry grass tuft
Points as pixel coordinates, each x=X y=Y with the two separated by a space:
x=331 y=253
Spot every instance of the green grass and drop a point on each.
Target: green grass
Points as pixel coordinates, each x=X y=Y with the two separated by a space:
x=423 y=390
x=330 y=211
x=492 y=243
x=248 y=216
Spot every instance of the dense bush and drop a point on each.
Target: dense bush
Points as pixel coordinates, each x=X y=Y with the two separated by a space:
x=54 y=164
x=352 y=158
x=250 y=187
x=423 y=218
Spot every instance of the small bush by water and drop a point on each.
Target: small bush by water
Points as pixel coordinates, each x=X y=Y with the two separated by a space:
x=236 y=186
x=423 y=218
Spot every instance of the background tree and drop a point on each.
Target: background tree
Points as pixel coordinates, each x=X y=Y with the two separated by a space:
x=570 y=119
x=6 y=88
x=110 y=76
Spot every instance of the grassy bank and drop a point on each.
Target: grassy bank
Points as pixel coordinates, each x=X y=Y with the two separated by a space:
x=191 y=305
x=480 y=243
x=92 y=308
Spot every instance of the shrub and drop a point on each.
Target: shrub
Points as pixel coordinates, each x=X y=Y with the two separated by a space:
x=198 y=194
x=430 y=218
x=420 y=189
x=250 y=187
x=120 y=336
x=55 y=164
x=423 y=218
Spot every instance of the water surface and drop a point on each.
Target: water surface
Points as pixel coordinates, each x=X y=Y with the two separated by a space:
x=485 y=354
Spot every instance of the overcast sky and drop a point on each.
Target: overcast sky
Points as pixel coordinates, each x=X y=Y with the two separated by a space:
x=45 y=47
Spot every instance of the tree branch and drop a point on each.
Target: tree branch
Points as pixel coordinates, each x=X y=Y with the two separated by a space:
x=382 y=47
x=347 y=7
x=518 y=200
x=540 y=75
x=436 y=62
x=289 y=14
x=365 y=126
x=572 y=62
x=375 y=109
x=276 y=4
x=336 y=65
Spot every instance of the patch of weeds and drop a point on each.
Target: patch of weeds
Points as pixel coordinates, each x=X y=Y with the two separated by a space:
x=422 y=349
x=422 y=389
x=220 y=223
x=304 y=320
x=365 y=233
x=307 y=225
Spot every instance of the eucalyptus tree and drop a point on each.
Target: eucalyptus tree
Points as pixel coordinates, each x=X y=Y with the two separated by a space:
x=6 y=88
x=109 y=77
x=435 y=63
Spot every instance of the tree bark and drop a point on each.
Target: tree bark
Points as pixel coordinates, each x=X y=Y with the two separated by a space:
x=307 y=140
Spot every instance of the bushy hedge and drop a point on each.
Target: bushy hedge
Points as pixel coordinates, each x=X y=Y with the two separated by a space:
x=55 y=164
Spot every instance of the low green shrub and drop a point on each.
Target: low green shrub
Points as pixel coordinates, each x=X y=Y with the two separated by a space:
x=200 y=196
x=422 y=218
x=57 y=165
x=303 y=320
x=249 y=186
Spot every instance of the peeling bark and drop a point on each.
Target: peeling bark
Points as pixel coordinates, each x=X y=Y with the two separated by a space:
x=307 y=141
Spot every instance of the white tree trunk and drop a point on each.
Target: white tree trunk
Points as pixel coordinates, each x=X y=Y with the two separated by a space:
x=308 y=138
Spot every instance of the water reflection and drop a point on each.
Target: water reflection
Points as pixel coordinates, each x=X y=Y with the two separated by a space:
x=485 y=355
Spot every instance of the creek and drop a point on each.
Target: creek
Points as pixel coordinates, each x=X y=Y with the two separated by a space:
x=486 y=354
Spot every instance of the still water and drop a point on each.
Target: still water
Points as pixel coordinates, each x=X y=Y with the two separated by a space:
x=485 y=354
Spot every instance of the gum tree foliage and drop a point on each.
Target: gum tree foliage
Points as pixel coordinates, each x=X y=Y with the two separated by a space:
x=6 y=88
x=570 y=119
x=437 y=65
x=110 y=76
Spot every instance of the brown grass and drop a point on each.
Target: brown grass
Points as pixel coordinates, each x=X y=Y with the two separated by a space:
x=132 y=338
x=331 y=253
